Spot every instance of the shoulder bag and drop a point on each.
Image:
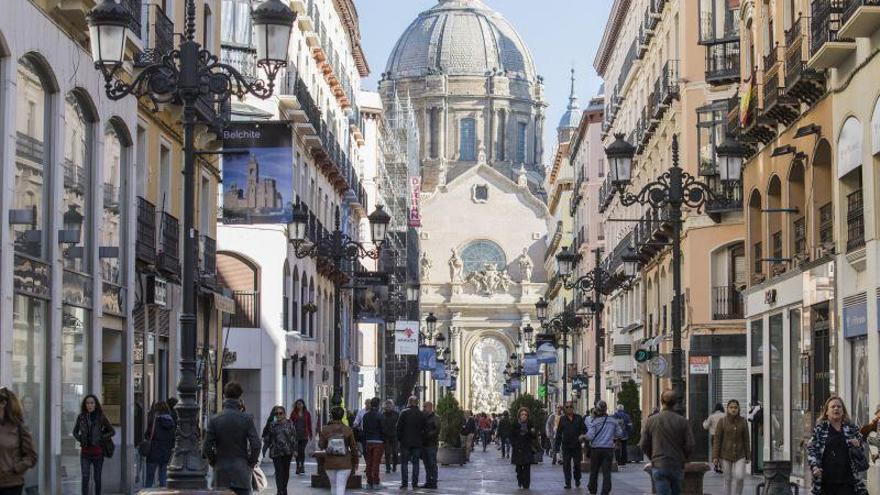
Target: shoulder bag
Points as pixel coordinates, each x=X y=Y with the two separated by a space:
x=145 y=445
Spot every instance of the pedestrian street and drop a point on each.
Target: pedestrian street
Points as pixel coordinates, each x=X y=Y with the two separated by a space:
x=489 y=474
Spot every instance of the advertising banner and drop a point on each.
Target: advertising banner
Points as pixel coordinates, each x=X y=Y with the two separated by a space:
x=546 y=348
x=439 y=372
x=257 y=173
x=371 y=291
x=699 y=365
x=406 y=338
x=530 y=364
x=415 y=217
x=427 y=357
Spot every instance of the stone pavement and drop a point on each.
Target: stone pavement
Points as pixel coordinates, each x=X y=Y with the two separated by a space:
x=488 y=474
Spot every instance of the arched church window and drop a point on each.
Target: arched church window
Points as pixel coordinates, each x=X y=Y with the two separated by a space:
x=478 y=254
x=521 y=131
x=468 y=145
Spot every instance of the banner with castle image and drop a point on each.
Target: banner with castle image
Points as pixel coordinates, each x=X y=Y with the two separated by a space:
x=257 y=173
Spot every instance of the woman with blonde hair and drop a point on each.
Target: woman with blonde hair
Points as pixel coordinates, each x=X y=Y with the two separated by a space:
x=17 y=453
x=833 y=452
x=523 y=440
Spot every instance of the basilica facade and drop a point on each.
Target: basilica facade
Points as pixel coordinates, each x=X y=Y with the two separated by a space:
x=479 y=103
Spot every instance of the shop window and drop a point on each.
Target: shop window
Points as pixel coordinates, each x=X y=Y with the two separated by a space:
x=756 y=333
x=110 y=251
x=799 y=376
x=75 y=338
x=861 y=409
x=776 y=387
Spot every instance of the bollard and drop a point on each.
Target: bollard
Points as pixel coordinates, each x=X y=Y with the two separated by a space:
x=776 y=479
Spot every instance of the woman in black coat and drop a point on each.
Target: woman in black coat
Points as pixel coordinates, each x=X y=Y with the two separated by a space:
x=160 y=434
x=94 y=434
x=523 y=438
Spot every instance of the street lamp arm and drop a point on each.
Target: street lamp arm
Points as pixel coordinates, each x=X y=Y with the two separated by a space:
x=600 y=279
x=336 y=246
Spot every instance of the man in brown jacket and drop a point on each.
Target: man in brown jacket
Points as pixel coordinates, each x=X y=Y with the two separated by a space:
x=731 y=449
x=668 y=441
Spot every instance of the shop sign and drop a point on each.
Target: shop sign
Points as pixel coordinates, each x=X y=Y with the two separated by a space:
x=855 y=320
x=415 y=217
x=406 y=338
x=699 y=365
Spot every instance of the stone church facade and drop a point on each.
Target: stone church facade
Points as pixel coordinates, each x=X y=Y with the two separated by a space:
x=479 y=103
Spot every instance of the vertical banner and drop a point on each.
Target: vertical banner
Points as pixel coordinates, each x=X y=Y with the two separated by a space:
x=427 y=357
x=514 y=384
x=579 y=382
x=505 y=391
x=545 y=345
x=530 y=364
x=439 y=372
x=257 y=173
x=415 y=217
x=406 y=338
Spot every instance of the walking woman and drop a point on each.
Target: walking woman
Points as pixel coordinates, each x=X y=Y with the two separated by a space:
x=524 y=440
x=17 y=453
x=830 y=452
x=279 y=438
x=338 y=443
x=160 y=434
x=302 y=425
x=730 y=448
x=93 y=432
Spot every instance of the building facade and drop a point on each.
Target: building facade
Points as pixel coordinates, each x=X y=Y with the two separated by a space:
x=478 y=103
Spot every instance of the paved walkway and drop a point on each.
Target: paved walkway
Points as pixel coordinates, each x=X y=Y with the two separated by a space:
x=488 y=474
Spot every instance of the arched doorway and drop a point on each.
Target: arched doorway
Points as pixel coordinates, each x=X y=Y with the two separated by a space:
x=488 y=357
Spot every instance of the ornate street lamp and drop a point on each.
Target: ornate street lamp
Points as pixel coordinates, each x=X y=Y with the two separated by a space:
x=731 y=155
x=541 y=309
x=620 y=157
x=412 y=292
x=184 y=76
x=430 y=324
x=672 y=191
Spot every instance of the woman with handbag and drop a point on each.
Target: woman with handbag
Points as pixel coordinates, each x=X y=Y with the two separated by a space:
x=159 y=439
x=94 y=434
x=302 y=425
x=524 y=443
x=17 y=453
x=835 y=453
x=279 y=439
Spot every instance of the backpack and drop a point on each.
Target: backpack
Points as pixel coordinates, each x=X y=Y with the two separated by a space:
x=337 y=446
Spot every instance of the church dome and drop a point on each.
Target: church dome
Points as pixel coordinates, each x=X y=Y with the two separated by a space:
x=461 y=37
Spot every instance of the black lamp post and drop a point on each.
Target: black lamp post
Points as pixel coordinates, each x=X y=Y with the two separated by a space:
x=560 y=325
x=672 y=190
x=338 y=247
x=182 y=77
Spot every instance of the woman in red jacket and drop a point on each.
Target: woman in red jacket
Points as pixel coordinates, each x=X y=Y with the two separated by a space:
x=302 y=423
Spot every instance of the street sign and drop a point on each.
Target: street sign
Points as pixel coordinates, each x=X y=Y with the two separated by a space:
x=699 y=365
x=658 y=366
x=406 y=338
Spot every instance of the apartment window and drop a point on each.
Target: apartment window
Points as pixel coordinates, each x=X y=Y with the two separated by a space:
x=711 y=129
x=521 y=135
x=757 y=258
x=468 y=137
x=855 y=220
x=826 y=224
x=800 y=237
x=718 y=20
x=236 y=22
x=776 y=243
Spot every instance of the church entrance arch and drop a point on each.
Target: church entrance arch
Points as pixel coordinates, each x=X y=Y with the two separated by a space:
x=486 y=360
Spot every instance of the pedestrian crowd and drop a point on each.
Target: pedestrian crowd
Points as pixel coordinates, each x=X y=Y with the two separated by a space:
x=837 y=453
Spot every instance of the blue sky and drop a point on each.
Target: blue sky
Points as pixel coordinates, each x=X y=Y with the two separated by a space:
x=560 y=33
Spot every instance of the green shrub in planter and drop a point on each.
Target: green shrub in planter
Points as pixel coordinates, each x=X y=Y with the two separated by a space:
x=451 y=419
x=537 y=414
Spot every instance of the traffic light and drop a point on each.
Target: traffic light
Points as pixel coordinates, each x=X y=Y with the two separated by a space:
x=643 y=355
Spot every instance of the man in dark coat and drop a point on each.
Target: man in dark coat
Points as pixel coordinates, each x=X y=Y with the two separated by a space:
x=410 y=432
x=372 y=426
x=505 y=427
x=389 y=434
x=231 y=444
x=568 y=441
x=430 y=443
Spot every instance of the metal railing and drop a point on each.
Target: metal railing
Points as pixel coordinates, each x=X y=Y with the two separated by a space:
x=247 y=309
x=727 y=303
x=145 y=244
x=74 y=177
x=29 y=147
x=135 y=10
x=772 y=58
x=824 y=23
x=722 y=61
x=669 y=79
x=628 y=61
x=855 y=221
x=853 y=5
x=242 y=58
x=159 y=38
x=208 y=264
x=169 y=245
x=826 y=223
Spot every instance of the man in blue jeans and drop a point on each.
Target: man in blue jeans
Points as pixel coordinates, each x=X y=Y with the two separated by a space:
x=668 y=441
x=410 y=433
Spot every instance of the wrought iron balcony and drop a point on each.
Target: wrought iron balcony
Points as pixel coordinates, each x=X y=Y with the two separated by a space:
x=242 y=58
x=860 y=18
x=722 y=62
x=145 y=243
x=159 y=37
x=628 y=61
x=801 y=81
x=855 y=221
x=727 y=303
x=827 y=48
x=135 y=10
x=247 y=310
x=606 y=194
x=777 y=105
x=168 y=260
x=728 y=198
x=669 y=80
x=208 y=258
x=74 y=177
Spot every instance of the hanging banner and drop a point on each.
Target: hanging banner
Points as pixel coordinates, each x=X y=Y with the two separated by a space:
x=427 y=357
x=415 y=217
x=257 y=173
x=439 y=372
x=579 y=382
x=514 y=384
x=530 y=364
x=505 y=391
x=406 y=338
x=545 y=345
x=452 y=383
x=370 y=291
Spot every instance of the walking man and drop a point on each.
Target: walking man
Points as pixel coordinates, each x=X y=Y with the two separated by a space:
x=568 y=440
x=667 y=440
x=410 y=428
x=626 y=426
x=231 y=444
x=430 y=442
x=505 y=428
x=389 y=434
x=602 y=433
x=372 y=425
x=550 y=428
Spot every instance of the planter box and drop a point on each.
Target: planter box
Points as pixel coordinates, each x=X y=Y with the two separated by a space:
x=448 y=456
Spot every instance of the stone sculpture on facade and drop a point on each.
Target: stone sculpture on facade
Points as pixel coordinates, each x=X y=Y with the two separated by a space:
x=525 y=266
x=424 y=266
x=490 y=280
x=488 y=358
x=455 y=268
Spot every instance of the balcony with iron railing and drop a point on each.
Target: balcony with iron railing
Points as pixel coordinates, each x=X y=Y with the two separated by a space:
x=855 y=221
x=168 y=260
x=208 y=261
x=158 y=37
x=801 y=81
x=722 y=62
x=727 y=303
x=777 y=104
x=606 y=194
x=241 y=58
x=145 y=242
x=827 y=48
x=75 y=179
x=135 y=10
x=626 y=68
x=668 y=89
x=799 y=242
x=247 y=310
x=826 y=224
x=29 y=148
x=727 y=197
x=860 y=18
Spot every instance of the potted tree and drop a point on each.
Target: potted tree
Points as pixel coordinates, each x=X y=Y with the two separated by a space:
x=629 y=398
x=451 y=418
